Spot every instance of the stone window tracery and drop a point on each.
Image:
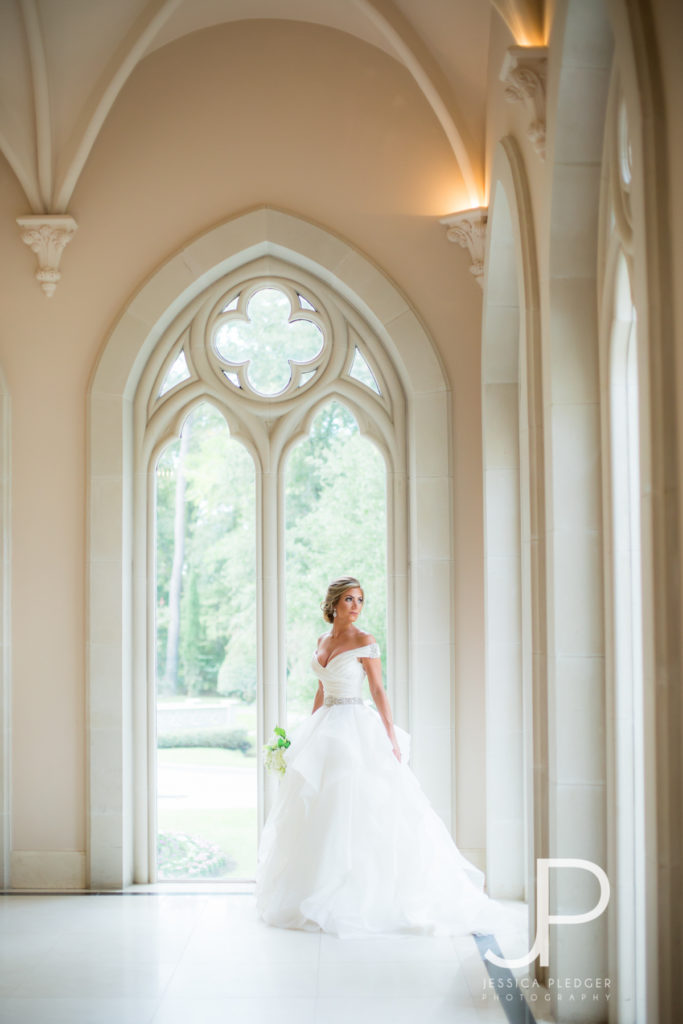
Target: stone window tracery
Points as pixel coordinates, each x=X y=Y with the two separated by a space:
x=264 y=343
x=269 y=340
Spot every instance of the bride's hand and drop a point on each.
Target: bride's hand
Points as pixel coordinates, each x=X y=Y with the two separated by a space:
x=397 y=752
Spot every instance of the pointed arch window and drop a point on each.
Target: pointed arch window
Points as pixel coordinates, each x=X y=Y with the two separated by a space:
x=292 y=372
x=336 y=519
x=628 y=565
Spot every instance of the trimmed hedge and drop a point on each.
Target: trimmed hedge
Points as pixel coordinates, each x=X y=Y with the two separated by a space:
x=183 y=856
x=228 y=739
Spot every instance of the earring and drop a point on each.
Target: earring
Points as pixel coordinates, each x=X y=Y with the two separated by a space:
x=334 y=614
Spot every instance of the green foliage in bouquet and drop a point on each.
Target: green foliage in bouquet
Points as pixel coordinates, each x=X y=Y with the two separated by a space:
x=274 y=751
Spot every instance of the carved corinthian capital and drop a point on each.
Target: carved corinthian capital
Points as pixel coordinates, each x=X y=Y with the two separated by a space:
x=468 y=229
x=524 y=74
x=47 y=235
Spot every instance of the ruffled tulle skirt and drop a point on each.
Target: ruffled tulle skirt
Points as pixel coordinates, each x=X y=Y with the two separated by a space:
x=352 y=845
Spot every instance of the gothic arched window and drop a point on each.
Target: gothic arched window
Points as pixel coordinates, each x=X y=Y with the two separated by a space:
x=270 y=421
x=361 y=366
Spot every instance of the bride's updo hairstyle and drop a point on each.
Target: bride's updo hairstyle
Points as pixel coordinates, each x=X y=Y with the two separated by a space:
x=334 y=592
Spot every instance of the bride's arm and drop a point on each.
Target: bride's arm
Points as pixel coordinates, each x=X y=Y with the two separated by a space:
x=319 y=698
x=373 y=668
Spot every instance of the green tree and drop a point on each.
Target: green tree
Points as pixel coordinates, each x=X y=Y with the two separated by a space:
x=219 y=552
x=171 y=678
x=335 y=526
x=192 y=636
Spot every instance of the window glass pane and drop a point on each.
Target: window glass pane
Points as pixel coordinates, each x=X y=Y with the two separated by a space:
x=335 y=526
x=178 y=372
x=361 y=371
x=206 y=653
x=267 y=341
x=627 y=634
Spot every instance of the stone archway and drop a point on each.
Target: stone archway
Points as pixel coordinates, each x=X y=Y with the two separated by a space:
x=118 y=584
x=514 y=537
x=576 y=655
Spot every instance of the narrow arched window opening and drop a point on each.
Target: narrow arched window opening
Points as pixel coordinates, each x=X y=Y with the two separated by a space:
x=206 y=663
x=628 y=637
x=136 y=408
x=335 y=525
x=269 y=459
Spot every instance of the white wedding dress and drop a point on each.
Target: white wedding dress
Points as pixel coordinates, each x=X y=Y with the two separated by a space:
x=352 y=845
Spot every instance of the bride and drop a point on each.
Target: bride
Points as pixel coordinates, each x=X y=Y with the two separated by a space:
x=352 y=845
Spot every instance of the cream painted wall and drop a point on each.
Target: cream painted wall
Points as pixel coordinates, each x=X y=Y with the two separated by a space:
x=206 y=127
x=46 y=375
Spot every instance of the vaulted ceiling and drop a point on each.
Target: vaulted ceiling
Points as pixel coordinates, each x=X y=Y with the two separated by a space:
x=64 y=62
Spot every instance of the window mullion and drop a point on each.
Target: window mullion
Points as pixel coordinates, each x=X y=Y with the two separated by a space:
x=272 y=608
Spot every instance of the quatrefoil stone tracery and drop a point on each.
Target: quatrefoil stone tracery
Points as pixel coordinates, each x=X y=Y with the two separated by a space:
x=269 y=340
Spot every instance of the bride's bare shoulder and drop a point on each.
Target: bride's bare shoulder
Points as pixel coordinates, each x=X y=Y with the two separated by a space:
x=365 y=639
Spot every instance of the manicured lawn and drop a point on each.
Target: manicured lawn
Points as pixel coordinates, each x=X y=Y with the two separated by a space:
x=233 y=830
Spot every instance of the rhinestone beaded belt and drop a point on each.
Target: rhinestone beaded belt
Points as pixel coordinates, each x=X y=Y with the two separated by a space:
x=343 y=700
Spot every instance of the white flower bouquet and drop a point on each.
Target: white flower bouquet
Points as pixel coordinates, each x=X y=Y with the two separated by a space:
x=274 y=759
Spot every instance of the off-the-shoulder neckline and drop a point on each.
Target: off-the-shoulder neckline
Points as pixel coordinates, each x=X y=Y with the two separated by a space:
x=347 y=650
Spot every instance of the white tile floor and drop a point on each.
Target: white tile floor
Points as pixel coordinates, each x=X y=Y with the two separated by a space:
x=204 y=958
